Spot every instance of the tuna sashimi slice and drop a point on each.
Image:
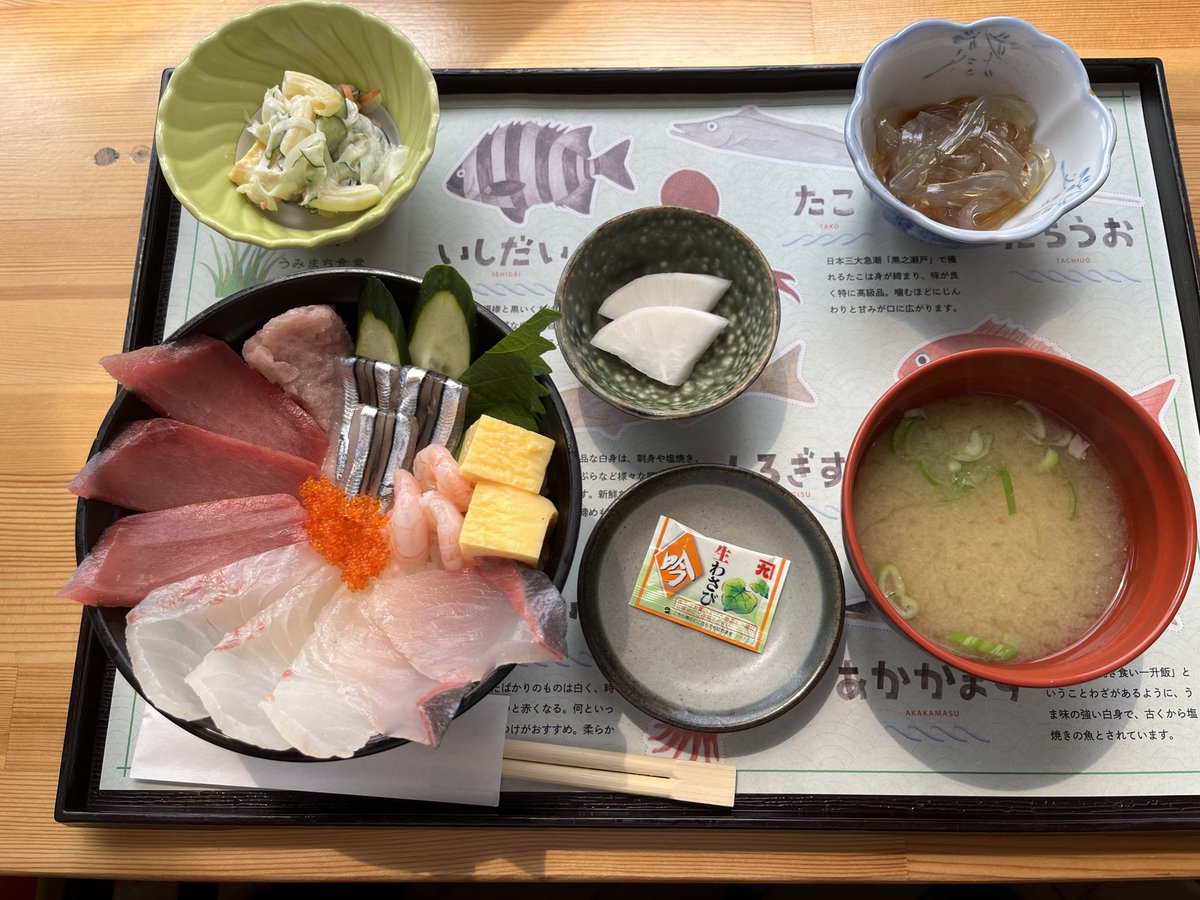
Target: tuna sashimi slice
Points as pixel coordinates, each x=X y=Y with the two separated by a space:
x=348 y=683
x=161 y=463
x=242 y=669
x=459 y=626
x=301 y=351
x=201 y=381
x=142 y=552
x=175 y=627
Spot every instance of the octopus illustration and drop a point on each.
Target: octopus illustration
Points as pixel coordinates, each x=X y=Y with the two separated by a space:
x=695 y=190
x=682 y=743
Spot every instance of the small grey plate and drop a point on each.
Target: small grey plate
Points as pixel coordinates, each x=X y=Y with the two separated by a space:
x=681 y=676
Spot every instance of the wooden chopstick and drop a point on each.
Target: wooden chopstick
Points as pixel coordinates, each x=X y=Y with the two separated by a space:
x=627 y=773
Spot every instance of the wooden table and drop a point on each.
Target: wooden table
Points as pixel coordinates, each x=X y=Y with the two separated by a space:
x=81 y=80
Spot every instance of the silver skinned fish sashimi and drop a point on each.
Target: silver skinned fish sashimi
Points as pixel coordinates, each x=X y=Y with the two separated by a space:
x=388 y=414
x=161 y=463
x=201 y=381
x=520 y=164
x=176 y=626
x=141 y=552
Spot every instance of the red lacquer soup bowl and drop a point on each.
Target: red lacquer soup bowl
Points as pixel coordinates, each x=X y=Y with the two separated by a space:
x=1156 y=501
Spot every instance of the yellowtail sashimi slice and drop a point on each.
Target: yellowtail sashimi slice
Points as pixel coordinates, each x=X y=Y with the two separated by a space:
x=176 y=625
x=400 y=701
x=663 y=342
x=242 y=669
x=686 y=289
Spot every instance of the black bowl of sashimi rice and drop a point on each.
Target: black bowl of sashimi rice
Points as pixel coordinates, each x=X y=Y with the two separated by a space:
x=387 y=665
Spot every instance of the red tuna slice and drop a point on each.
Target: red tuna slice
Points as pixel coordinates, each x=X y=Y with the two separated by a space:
x=141 y=552
x=459 y=626
x=201 y=381
x=161 y=463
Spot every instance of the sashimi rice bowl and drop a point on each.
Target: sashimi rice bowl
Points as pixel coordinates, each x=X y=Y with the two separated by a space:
x=316 y=524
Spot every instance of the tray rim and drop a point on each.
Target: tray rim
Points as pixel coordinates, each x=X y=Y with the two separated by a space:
x=78 y=799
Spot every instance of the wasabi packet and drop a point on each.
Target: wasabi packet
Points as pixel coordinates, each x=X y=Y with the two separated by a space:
x=710 y=585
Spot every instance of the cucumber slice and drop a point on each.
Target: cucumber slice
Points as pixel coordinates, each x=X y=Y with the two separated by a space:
x=334 y=130
x=381 y=332
x=443 y=324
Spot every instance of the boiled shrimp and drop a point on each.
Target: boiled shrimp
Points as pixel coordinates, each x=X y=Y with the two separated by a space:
x=445 y=528
x=410 y=530
x=437 y=470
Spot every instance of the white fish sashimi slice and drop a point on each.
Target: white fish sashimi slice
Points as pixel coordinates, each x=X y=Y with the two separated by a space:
x=348 y=683
x=663 y=342
x=306 y=707
x=176 y=625
x=457 y=626
x=243 y=668
x=687 y=289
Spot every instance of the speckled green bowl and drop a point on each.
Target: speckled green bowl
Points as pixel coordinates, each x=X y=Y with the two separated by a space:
x=669 y=239
x=215 y=90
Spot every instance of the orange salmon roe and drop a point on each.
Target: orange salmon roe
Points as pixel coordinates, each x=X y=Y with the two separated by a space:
x=350 y=532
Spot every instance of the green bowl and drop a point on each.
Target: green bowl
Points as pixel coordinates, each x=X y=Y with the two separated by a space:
x=669 y=239
x=213 y=92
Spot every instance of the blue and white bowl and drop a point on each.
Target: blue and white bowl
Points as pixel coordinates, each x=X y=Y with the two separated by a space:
x=934 y=60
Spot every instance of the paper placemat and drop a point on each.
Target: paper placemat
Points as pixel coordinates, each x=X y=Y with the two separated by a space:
x=862 y=305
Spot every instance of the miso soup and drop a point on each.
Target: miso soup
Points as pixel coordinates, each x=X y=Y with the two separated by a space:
x=991 y=526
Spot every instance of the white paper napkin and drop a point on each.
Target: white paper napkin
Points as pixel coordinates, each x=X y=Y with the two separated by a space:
x=464 y=769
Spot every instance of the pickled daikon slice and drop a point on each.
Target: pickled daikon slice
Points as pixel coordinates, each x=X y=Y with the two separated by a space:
x=690 y=289
x=663 y=342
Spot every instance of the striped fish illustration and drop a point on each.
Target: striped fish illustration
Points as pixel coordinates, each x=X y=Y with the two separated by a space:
x=520 y=164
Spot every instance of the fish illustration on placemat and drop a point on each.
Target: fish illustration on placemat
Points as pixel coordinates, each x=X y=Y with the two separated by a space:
x=522 y=163
x=751 y=132
x=991 y=332
x=780 y=380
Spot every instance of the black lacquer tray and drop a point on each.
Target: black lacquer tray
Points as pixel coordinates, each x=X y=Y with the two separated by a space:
x=80 y=799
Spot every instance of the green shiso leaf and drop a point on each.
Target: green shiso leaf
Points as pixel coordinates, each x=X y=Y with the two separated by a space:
x=503 y=381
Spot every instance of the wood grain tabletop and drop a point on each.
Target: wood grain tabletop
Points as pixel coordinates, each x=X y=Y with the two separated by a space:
x=82 y=81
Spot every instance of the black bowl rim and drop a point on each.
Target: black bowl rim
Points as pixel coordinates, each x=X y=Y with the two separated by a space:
x=119 y=656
